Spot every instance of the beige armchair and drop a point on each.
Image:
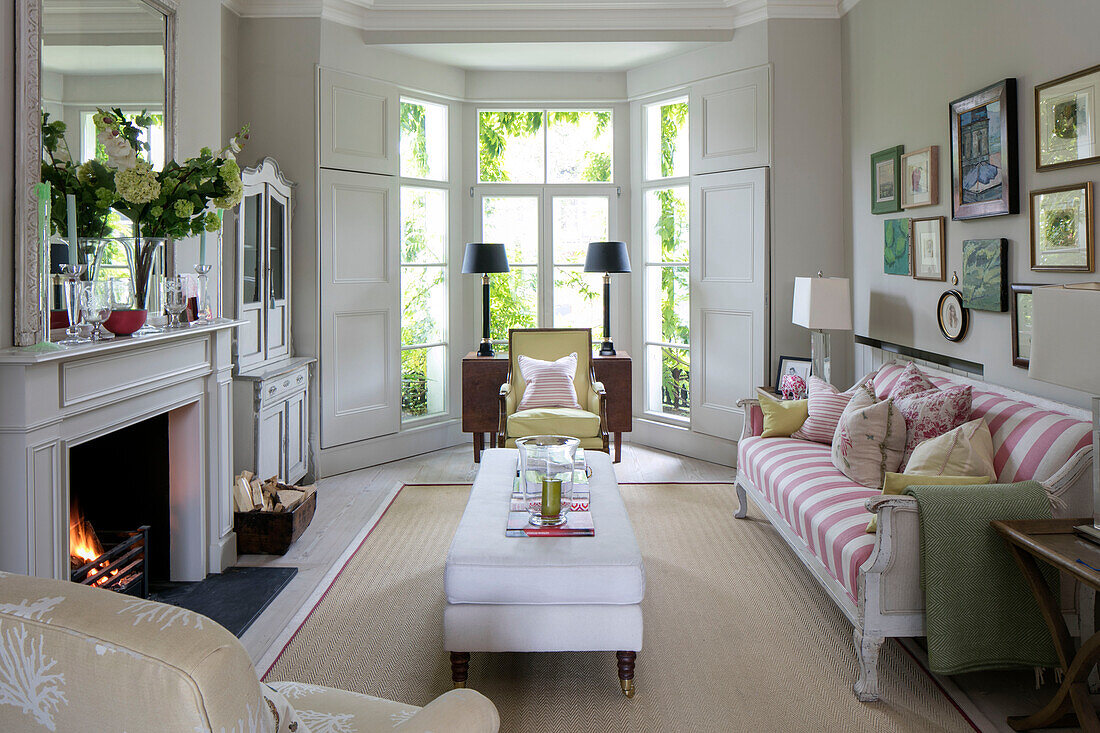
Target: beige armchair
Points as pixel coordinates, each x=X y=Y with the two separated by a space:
x=74 y=658
x=589 y=424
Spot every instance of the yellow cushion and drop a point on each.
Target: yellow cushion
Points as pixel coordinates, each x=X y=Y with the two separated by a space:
x=782 y=417
x=553 y=421
x=896 y=483
x=965 y=451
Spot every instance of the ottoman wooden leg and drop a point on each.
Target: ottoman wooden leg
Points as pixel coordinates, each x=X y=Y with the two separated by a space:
x=626 y=671
x=460 y=667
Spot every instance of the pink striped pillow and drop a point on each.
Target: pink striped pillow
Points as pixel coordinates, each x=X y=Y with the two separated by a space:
x=549 y=383
x=826 y=405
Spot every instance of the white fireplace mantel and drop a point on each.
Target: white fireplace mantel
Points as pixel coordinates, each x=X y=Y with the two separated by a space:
x=53 y=400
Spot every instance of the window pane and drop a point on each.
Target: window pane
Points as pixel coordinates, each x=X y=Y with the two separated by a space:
x=514 y=300
x=578 y=299
x=578 y=220
x=666 y=224
x=666 y=144
x=423 y=381
x=579 y=146
x=423 y=305
x=510 y=147
x=423 y=225
x=668 y=381
x=513 y=220
x=667 y=304
x=424 y=140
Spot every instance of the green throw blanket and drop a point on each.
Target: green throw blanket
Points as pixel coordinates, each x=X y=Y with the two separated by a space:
x=979 y=611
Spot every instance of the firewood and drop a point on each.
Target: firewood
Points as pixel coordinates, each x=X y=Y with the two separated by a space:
x=242 y=494
x=291 y=498
x=257 y=494
x=279 y=508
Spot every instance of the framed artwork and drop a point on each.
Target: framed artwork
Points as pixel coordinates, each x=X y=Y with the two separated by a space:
x=895 y=248
x=920 y=178
x=929 y=248
x=984 y=283
x=886 y=180
x=1021 y=324
x=1061 y=228
x=795 y=365
x=1065 y=121
x=953 y=317
x=984 y=180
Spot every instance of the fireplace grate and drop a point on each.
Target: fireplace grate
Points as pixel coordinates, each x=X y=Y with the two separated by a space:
x=124 y=568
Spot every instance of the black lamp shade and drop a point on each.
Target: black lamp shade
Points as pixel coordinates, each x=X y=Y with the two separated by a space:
x=607 y=257
x=484 y=257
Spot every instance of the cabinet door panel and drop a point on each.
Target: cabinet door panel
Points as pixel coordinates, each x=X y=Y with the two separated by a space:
x=278 y=269
x=297 y=437
x=251 y=277
x=270 y=458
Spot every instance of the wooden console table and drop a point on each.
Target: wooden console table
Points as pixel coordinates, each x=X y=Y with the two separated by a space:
x=483 y=375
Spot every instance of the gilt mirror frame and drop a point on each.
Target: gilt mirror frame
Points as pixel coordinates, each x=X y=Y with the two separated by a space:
x=27 y=322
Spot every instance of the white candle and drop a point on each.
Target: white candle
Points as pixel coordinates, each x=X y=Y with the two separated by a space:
x=70 y=204
x=202 y=247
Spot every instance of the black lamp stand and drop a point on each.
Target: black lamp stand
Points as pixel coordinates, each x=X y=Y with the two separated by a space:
x=607 y=348
x=486 y=348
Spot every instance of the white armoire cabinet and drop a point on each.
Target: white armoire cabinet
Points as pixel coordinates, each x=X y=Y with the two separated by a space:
x=271 y=390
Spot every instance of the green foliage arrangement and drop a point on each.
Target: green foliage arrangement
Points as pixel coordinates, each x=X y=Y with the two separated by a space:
x=93 y=188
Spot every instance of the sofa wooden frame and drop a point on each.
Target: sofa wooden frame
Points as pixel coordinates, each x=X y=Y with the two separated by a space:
x=890 y=602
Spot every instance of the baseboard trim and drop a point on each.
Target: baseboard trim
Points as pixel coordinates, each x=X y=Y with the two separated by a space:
x=684 y=441
x=405 y=444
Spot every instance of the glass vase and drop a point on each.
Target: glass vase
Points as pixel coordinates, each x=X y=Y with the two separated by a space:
x=97 y=252
x=146 y=262
x=546 y=471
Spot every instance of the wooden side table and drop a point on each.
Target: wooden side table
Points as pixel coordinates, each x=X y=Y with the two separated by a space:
x=483 y=375
x=1054 y=542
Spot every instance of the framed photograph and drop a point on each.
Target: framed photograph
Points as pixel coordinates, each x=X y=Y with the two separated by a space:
x=920 y=178
x=953 y=317
x=929 y=248
x=886 y=180
x=1061 y=228
x=1065 y=121
x=795 y=365
x=1021 y=324
x=895 y=247
x=984 y=283
x=984 y=180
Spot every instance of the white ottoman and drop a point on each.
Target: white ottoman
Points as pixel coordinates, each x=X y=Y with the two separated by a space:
x=542 y=594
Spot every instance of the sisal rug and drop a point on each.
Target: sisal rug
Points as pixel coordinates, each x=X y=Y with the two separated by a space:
x=738 y=636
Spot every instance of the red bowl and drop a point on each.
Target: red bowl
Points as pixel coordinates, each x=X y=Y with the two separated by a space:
x=124 y=323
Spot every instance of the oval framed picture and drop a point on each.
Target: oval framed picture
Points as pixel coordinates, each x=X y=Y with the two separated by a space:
x=953 y=318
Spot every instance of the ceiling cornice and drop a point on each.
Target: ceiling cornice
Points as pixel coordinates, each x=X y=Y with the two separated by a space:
x=541 y=15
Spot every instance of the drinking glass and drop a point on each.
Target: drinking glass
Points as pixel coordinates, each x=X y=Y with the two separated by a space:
x=95 y=305
x=122 y=293
x=71 y=275
x=174 y=301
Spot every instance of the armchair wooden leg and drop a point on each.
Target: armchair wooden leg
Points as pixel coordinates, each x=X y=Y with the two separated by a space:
x=618 y=447
x=479 y=439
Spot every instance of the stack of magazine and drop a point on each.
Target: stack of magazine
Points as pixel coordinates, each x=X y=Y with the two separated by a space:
x=578 y=521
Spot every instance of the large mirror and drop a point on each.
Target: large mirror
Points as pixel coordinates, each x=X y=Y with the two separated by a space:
x=76 y=57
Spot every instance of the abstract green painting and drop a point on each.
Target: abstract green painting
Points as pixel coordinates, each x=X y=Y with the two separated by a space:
x=985 y=274
x=895 y=250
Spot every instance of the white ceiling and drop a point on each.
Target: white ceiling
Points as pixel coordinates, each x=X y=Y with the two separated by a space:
x=569 y=56
x=115 y=60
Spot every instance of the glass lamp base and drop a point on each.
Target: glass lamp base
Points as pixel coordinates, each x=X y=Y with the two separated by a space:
x=820 y=356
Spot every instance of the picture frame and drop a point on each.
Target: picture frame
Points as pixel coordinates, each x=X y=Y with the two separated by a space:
x=896 y=252
x=1061 y=228
x=920 y=178
x=1020 y=307
x=984 y=144
x=886 y=180
x=801 y=366
x=1065 y=120
x=984 y=283
x=929 y=247
x=952 y=316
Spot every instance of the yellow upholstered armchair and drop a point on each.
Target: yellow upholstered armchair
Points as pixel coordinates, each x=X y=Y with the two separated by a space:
x=549 y=344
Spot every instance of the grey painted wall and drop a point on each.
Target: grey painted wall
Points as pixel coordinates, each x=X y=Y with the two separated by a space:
x=903 y=63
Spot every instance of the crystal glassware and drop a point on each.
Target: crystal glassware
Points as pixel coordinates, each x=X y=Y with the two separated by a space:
x=71 y=274
x=95 y=305
x=205 y=307
x=122 y=293
x=546 y=471
x=174 y=301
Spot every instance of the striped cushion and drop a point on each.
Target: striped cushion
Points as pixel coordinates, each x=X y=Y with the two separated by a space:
x=825 y=508
x=826 y=404
x=549 y=383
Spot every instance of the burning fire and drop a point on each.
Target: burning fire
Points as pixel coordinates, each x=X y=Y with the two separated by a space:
x=83 y=543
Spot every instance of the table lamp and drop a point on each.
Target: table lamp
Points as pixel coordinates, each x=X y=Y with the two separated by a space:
x=607 y=257
x=484 y=258
x=1064 y=351
x=822 y=304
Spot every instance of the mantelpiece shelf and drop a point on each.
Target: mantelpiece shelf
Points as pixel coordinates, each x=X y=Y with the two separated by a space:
x=27 y=354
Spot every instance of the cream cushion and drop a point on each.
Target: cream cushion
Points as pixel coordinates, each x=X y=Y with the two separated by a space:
x=965 y=451
x=869 y=438
x=553 y=421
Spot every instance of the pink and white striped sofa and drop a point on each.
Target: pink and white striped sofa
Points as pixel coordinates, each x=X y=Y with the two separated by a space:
x=875 y=578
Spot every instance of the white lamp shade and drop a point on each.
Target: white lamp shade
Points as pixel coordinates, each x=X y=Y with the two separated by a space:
x=822 y=303
x=1065 y=341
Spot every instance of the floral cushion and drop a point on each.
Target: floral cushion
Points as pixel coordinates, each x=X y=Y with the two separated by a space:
x=932 y=413
x=869 y=439
x=911 y=381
